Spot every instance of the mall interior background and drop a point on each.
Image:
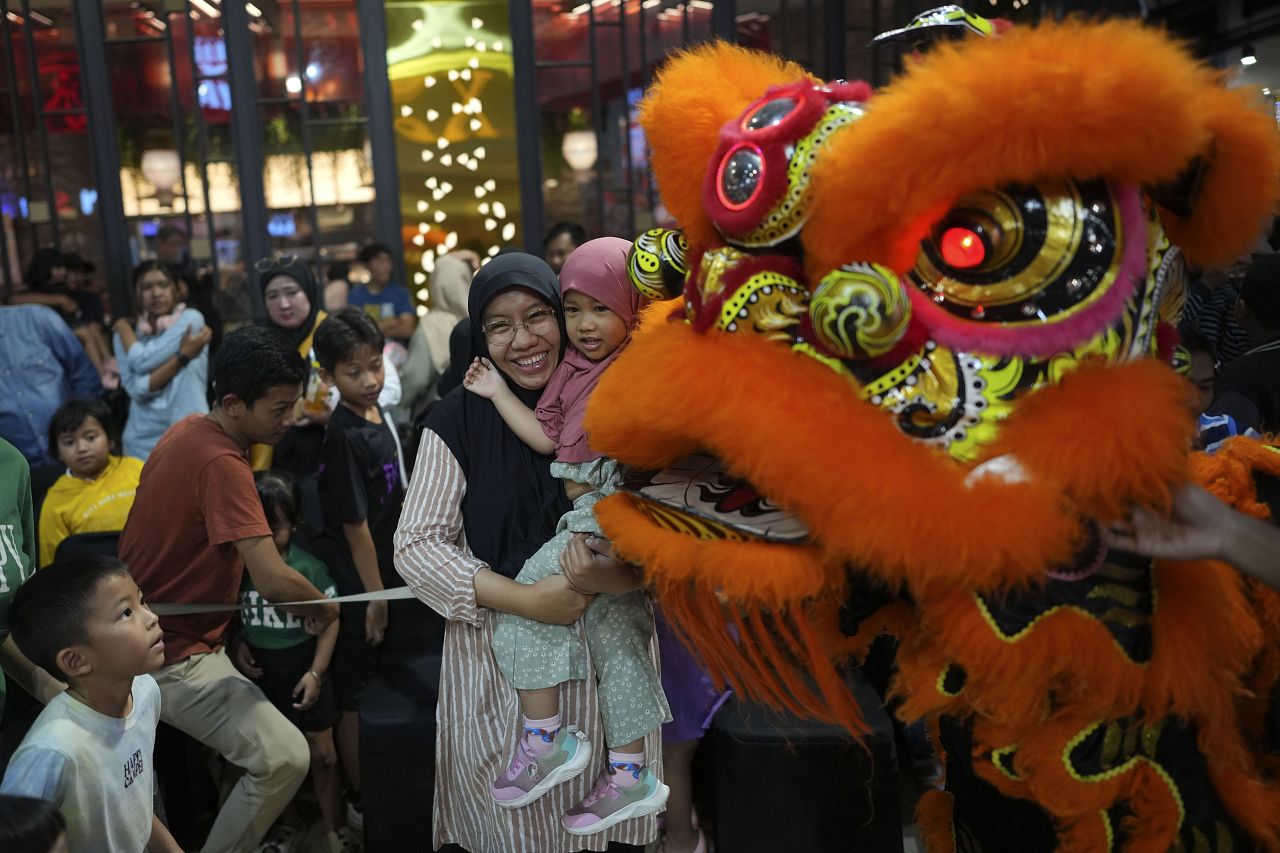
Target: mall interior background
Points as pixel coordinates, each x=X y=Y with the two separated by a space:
x=310 y=127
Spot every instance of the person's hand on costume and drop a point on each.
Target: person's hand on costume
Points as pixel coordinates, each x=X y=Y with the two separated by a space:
x=242 y=657
x=589 y=564
x=1195 y=529
x=1202 y=527
x=483 y=379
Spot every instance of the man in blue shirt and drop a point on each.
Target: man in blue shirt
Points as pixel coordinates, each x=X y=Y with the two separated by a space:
x=42 y=365
x=385 y=301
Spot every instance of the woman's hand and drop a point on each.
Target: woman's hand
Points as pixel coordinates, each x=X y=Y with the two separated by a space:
x=375 y=622
x=483 y=379
x=589 y=565
x=193 y=343
x=242 y=657
x=122 y=325
x=554 y=602
x=306 y=691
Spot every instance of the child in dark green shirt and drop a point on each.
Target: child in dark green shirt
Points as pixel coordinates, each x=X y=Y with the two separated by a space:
x=289 y=665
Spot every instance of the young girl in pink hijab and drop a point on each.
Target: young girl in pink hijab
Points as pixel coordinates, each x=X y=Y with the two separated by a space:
x=600 y=310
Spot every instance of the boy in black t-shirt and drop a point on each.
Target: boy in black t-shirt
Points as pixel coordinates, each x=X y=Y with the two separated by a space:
x=360 y=496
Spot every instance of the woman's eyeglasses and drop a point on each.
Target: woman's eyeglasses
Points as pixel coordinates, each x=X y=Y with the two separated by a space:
x=275 y=262
x=537 y=322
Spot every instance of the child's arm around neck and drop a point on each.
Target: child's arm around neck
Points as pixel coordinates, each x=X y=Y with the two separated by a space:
x=485 y=380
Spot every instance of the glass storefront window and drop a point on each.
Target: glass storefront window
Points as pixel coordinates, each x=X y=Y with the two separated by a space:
x=47 y=195
x=311 y=104
x=594 y=59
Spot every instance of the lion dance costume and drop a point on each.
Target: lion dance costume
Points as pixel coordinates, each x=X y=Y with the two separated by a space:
x=915 y=353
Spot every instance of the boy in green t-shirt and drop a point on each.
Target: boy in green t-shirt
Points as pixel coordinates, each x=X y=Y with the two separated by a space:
x=17 y=563
x=289 y=665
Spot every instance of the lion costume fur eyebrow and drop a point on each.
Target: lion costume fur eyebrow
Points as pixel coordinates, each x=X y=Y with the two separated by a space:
x=1072 y=100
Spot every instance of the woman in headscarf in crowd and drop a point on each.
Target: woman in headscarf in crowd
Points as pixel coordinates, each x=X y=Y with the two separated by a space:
x=480 y=504
x=289 y=293
x=292 y=299
x=429 y=346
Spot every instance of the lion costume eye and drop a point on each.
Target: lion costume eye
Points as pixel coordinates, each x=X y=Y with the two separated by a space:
x=741 y=176
x=1023 y=254
x=770 y=113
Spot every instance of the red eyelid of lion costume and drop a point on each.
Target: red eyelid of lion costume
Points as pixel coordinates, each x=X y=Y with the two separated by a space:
x=683 y=124
x=1112 y=100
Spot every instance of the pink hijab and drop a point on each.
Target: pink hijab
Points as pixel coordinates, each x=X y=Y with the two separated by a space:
x=597 y=268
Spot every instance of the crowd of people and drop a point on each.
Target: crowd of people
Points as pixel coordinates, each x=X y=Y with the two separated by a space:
x=344 y=446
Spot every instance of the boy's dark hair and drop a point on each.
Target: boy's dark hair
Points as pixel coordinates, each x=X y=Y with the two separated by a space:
x=28 y=825
x=49 y=610
x=40 y=271
x=576 y=233
x=372 y=251
x=342 y=333
x=280 y=495
x=73 y=413
x=254 y=359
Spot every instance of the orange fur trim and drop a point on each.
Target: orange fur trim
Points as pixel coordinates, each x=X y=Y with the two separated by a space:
x=896 y=619
x=796 y=430
x=777 y=575
x=1068 y=100
x=1066 y=654
x=1093 y=464
x=934 y=815
x=1242 y=184
x=696 y=93
x=1195 y=673
x=1088 y=834
x=782 y=629
x=1153 y=824
x=1228 y=473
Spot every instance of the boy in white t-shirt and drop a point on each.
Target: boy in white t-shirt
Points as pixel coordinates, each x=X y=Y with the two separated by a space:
x=90 y=751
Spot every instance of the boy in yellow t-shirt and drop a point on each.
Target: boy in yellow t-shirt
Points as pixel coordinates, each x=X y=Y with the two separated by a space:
x=96 y=493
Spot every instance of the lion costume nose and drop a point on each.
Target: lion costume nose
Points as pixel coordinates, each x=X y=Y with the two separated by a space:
x=859 y=311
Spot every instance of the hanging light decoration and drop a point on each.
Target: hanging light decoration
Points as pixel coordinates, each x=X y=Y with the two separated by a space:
x=580 y=149
x=162 y=167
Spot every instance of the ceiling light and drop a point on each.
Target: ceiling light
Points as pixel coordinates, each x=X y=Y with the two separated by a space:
x=1247 y=56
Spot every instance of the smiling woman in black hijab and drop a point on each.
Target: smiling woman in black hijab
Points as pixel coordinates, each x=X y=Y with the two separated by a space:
x=289 y=293
x=481 y=502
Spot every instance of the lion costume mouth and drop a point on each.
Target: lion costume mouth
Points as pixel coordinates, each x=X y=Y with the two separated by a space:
x=698 y=496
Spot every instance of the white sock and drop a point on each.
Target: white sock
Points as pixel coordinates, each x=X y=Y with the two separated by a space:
x=540 y=735
x=626 y=767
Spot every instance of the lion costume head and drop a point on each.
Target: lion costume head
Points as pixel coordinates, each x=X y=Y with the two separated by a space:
x=917 y=341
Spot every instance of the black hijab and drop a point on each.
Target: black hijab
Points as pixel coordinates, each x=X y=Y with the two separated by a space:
x=301 y=273
x=512 y=502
